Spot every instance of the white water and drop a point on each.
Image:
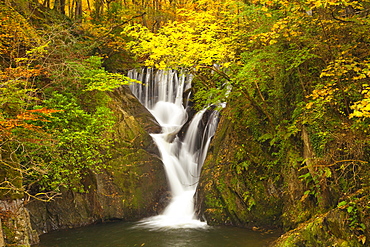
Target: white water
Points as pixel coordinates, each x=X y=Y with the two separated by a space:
x=162 y=95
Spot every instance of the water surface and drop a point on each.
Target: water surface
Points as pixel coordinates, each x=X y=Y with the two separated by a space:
x=134 y=234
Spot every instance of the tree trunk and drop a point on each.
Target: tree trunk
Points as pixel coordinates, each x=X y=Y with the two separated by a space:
x=59 y=5
x=2 y=243
x=78 y=9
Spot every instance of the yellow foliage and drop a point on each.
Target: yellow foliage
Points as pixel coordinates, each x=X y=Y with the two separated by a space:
x=202 y=38
x=16 y=35
x=321 y=96
x=347 y=68
x=361 y=108
x=307 y=3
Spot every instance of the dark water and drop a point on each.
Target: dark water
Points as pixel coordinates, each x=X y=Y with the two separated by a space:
x=129 y=234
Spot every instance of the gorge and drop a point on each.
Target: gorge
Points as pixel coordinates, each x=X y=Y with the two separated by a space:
x=291 y=150
x=183 y=151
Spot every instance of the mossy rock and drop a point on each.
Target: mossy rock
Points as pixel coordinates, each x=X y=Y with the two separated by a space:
x=329 y=229
x=229 y=195
x=9 y=173
x=132 y=186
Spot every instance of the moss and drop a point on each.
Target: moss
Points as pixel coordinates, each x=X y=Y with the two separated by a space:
x=247 y=182
x=131 y=186
x=9 y=234
x=329 y=229
x=138 y=176
x=237 y=192
x=9 y=172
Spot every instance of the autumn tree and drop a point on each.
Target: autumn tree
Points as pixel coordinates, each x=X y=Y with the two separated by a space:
x=54 y=115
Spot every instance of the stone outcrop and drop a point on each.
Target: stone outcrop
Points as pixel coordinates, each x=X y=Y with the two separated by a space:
x=242 y=185
x=15 y=224
x=230 y=196
x=132 y=187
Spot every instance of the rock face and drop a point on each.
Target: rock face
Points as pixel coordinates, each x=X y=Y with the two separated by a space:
x=230 y=196
x=15 y=224
x=134 y=185
x=242 y=185
x=328 y=229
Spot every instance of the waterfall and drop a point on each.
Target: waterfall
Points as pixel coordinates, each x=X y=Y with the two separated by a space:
x=162 y=93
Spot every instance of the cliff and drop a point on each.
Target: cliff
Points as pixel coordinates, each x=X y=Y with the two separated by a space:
x=240 y=186
x=132 y=187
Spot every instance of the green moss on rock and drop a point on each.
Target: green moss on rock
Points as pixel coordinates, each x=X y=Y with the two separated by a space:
x=132 y=186
x=232 y=189
x=329 y=229
x=243 y=184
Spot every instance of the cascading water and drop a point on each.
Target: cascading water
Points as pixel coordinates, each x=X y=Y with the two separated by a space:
x=162 y=94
